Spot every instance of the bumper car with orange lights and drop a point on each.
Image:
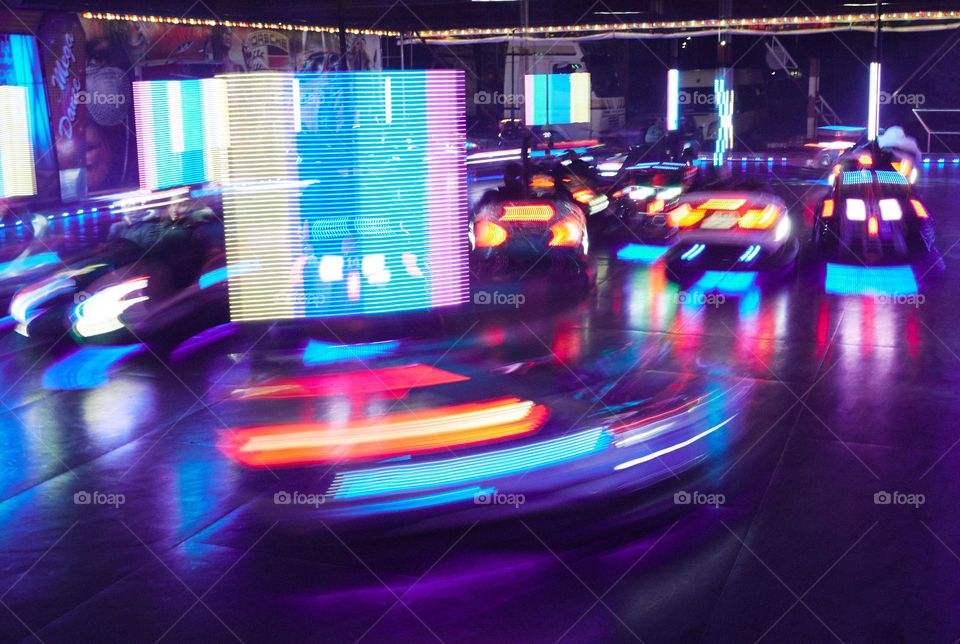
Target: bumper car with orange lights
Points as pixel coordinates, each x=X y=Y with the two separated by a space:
x=467 y=461
x=522 y=233
x=746 y=231
x=644 y=192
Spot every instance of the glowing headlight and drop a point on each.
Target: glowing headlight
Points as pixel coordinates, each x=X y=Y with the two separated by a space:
x=782 y=229
x=890 y=210
x=100 y=313
x=669 y=193
x=640 y=192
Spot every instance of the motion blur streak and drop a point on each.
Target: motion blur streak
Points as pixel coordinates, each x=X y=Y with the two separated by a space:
x=100 y=313
x=395 y=380
x=387 y=436
x=672 y=448
x=203 y=339
x=86 y=368
x=411 y=477
x=417 y=502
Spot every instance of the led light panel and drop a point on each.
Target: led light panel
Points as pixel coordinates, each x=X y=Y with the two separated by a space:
x=724 y=99
x=181 y=132
x=17 y=173
x=555 y=99
x=348 y=190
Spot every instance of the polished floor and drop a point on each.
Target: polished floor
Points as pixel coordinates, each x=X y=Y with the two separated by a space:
x=850 y=405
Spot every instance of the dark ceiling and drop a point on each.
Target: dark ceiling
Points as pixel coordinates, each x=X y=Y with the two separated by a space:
x=411 y=15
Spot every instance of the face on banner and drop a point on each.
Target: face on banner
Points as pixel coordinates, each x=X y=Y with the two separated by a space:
x=63 y=49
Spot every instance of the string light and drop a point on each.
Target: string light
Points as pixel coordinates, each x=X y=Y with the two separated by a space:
x=241 y=24
x=784 y=23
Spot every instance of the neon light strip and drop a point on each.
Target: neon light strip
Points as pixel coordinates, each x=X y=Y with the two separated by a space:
x=873 y=106
x=673 y=100
x=672 y=448
x=641 y=253
x=411 y=477
x=418 y=502
x=389 y=436
x=844 y=279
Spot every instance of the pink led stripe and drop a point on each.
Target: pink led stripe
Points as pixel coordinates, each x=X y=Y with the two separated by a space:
x=147 y=153
x=446 y=184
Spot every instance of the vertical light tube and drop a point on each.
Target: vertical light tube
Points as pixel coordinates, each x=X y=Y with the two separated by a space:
x=873 y=114
x=673 y=100
x=724 y=99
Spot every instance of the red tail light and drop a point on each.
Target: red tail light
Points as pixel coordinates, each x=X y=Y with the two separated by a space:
x=827 y=209
x=873 y=227
x=656 y=206
x=565 y=233
x=489 y=234
x=919 y=208
x=527 y=212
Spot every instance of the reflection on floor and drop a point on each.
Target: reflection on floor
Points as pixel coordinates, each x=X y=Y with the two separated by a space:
x=802 y=488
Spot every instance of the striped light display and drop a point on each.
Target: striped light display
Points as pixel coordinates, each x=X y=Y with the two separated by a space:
x=348 y=190
x=723 y=97
x=181 y=132
x=556 y=99
x=17 y=173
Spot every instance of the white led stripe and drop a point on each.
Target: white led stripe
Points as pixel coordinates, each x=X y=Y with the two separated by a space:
x=16 y=149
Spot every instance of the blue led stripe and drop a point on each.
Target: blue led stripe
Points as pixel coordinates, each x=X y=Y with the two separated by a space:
x=843 y=279
x=641 y=253
x=559 y=106
x=455 y=471
x=857 y=177
x=326 y=353
x=693 y=252
x=416 y=503
x=891 y=177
